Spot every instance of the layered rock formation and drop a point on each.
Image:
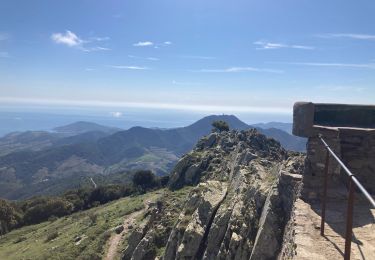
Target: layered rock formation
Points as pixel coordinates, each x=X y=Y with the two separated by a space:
x=244 y=186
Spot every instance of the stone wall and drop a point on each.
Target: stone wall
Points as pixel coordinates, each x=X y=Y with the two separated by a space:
x=354 y=146
x=315 y=161
x=358 y=153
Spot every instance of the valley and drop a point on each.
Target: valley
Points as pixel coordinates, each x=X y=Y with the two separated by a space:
x=40 y=163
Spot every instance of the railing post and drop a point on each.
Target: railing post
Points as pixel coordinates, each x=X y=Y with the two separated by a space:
x=349 y=219
x=324 y=199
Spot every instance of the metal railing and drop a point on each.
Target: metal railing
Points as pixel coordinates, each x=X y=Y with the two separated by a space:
x=353 y=182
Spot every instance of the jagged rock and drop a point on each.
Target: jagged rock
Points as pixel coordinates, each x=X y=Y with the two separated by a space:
x=133 y=241
x=145 y=249
x=207 y=142
x=268 y=236
x=186 y=172
x=245 y=184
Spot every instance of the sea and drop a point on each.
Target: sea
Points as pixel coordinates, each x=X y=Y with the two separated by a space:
x=19 y=119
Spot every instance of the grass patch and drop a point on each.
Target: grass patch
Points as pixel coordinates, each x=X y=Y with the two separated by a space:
x=58 y=239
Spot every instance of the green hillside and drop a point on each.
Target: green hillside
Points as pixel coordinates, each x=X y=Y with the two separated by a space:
x=82 y=235
x=87 y=234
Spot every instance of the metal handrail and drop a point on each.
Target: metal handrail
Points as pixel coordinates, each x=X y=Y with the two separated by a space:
x=352 y=181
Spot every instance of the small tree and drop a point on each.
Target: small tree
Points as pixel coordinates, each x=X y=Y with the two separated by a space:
x=220 y=126
x=144 y=179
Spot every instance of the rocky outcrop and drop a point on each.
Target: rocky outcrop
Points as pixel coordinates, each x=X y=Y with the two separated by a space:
x=244 y=189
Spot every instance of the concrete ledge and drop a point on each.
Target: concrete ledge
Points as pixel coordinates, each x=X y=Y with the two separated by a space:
x=307 y=116
x=303 y=118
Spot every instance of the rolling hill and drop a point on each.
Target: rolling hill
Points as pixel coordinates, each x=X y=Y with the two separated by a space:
x=84 y=127
x=98 y=153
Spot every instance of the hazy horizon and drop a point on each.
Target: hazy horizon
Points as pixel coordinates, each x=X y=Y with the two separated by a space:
x=17 y=120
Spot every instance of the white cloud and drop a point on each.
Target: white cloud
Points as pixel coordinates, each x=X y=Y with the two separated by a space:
x=241 y=69
x=4 y=54
x=128 y=67
x=116 y=114
x=338 y=65
x=89 y=69
x=167 y=43
x=69 y=38
x=143 y=58
x=348 y=35
x=271 y=46
x=143 y=44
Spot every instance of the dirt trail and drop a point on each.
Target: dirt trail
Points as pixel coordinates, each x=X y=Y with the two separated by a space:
x=114 y=241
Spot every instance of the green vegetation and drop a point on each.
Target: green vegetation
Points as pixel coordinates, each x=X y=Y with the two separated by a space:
x=39 y=209
x=144 y=179
x=81 y=235
x=84 y=234
x=9 y=217
x=220 y=126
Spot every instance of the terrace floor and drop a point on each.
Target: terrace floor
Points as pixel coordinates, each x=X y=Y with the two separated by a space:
x=311 y=245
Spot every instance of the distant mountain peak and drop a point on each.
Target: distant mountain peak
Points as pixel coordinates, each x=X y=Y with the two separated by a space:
x=80 y=127
x=232 y=120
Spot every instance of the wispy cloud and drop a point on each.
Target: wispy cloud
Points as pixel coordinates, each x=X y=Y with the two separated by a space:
x=116 y=114
x=197 y=57
x=152 y=58
x=96 y=48
x=150 y=43
x=4 y=54
x=71 y=39
x=337 y=65
x=272 y=46
x=355 y=36
x=183 y=83
x=143 y=58
x=100 y=39
x=89 y=69
x=143 y=44
x=335 y=88
x=128 y=67
x=241 y=69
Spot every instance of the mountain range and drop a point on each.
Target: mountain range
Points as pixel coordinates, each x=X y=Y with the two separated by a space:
x=33 y=162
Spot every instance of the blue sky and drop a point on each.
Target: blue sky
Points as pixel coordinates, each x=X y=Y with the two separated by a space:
x=207 y=56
